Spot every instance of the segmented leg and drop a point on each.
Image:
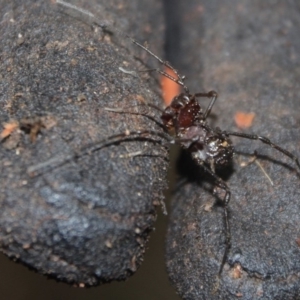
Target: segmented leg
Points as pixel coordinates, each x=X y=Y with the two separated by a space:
x=213 y=97
x=221 y=183
x=61 y=159
x=265 y=141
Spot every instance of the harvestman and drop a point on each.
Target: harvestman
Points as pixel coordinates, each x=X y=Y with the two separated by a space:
x=209 y=147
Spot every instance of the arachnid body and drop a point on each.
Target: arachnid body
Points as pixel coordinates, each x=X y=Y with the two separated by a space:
x=78 y=199
x=209 y=147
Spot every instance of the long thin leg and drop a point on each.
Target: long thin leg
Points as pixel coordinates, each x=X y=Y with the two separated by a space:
x=265 y=141
x=221 y=183
x=213 y=97
x=145 y=114
x=144 y=104
x=179 y=80
x=61 y=159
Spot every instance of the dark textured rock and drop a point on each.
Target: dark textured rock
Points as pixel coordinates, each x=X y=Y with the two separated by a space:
x=86 y=220
x=248 y=51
